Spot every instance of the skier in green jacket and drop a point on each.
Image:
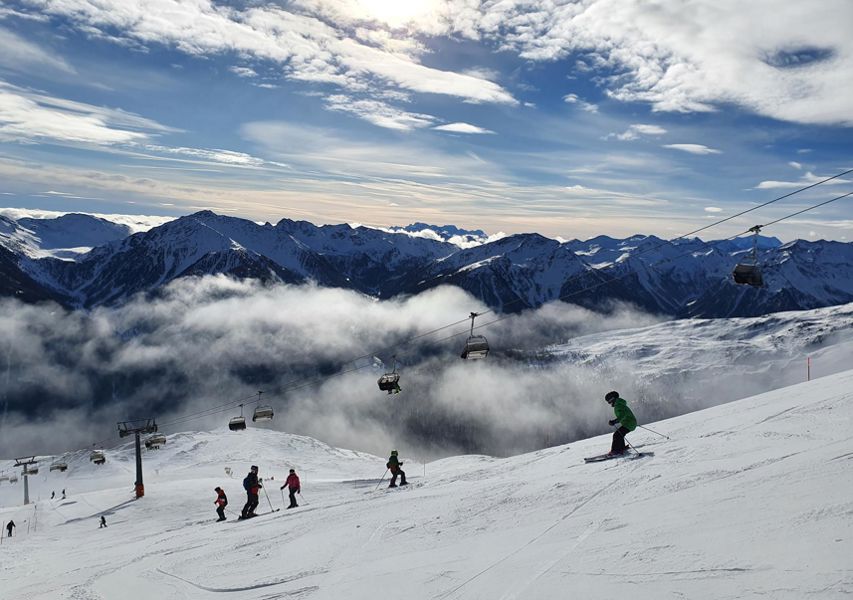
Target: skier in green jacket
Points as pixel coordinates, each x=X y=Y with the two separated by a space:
x=624 y=417
x=394 y=465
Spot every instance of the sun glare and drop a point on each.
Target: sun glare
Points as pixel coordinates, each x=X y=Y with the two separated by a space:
x=396 y=12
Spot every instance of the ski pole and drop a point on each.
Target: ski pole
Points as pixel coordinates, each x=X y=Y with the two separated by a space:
x=268 y=498
x=380 y=480
x=653 y=431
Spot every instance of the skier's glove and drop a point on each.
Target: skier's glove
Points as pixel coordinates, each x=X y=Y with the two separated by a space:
x=613 y=421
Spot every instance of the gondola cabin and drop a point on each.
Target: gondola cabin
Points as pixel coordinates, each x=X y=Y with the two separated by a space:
x=97 y=457
x=237 y=424
x=475 y=348
x=262 y=413
x=155 y=441
x=390 y=382
x=748 y=274
x=59 y=466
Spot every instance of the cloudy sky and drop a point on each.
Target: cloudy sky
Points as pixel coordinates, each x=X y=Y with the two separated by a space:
x=570 y=118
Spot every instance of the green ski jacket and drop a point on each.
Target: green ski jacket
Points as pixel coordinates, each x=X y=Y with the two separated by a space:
x=624 y=414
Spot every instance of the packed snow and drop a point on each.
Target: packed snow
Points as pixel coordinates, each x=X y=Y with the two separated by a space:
x=746 y=500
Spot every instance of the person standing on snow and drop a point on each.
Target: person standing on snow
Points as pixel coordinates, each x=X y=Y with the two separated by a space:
x=52 y=495
x=103 y=522
x=221 y=502
x=293 y=488
x=9 y=526
x=394 y=465
x=63 y=493
x=252 y=486
x=624 y=417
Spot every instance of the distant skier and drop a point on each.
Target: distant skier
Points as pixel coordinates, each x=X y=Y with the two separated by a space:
x=221 y=502
x=63 y=494
x=293 y=487
x=252 y=485
x=103 y=522
x=9 y=526
x=394 y=465
x=624 y=417
x=52 y=495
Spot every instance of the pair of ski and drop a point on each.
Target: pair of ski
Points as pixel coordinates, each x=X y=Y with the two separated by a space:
x=269 y=512
x=629 y=455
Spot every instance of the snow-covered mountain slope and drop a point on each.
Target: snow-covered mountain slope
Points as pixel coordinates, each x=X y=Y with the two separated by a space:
x=749 y=499
x=681 y=278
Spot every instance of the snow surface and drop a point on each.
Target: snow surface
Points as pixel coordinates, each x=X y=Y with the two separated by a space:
x=749 y=499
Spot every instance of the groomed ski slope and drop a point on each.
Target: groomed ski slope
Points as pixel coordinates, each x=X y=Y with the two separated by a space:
x=752 y=499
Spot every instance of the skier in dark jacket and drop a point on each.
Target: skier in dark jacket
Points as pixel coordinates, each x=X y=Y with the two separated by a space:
x=252 y=486
x=394 y=465
x=9 y=526
x=103 y=522
x=221 y=502
x=624 y=417
x=293 y=487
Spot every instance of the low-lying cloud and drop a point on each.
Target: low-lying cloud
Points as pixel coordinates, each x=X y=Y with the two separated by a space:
x=67 y=377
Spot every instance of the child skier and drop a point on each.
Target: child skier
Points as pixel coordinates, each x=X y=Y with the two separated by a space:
x=252 y=486
x=221 y=502
x=394 y=465
x=293 y=487
x=624 y=417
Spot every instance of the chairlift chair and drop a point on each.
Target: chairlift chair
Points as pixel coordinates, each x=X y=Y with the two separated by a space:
x=59 y=466
x=97 y=457
x=476 y=346
x=4 y=478
x=13 y=479
x=263 y=413
x=237 y=423
x=33 y=470
x=155 y=441
x=390 y=382
x=748 y=271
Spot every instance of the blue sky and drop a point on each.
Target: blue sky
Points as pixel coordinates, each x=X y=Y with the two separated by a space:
x=572 y=119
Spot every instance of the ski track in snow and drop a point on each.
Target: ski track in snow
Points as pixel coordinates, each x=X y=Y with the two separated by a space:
x=749 y=499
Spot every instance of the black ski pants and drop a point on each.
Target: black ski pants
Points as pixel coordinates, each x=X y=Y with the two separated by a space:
x=401 y=473
x=292 y=492
x=251 y=504
x=220 y=510
x=618 y=446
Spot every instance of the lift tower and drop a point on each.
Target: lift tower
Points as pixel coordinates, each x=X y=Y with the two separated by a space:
x=26 y=461
x=137 y=427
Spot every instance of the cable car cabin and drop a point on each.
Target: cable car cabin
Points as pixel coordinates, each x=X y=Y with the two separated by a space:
x=390 y=382
x=237 y=424
x=59 y=466
x=475 y=348
x=262 y=413
x=748 y=274
x=98 y=457
x=155 y=441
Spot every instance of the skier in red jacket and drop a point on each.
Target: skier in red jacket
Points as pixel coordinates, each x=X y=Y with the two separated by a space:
x=221 y=502
x=293 y=488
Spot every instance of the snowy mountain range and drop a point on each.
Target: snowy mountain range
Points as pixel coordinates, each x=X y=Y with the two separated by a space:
x=86 y=261
x=746 y=500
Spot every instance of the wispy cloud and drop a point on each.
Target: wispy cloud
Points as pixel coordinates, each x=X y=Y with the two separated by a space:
x=462 y=128
x=693 y=148
x=636 y=130
x=807 y=179
x=27 y=115
x=583 y=104
x=20 y=55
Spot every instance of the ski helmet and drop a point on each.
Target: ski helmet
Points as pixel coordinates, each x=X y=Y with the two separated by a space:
x=393 y=453
x=254 y=467
x=293 y=470
x=611 y=396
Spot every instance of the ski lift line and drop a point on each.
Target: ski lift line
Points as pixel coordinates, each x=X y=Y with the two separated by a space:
x=799 y=212
x=308 y=382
